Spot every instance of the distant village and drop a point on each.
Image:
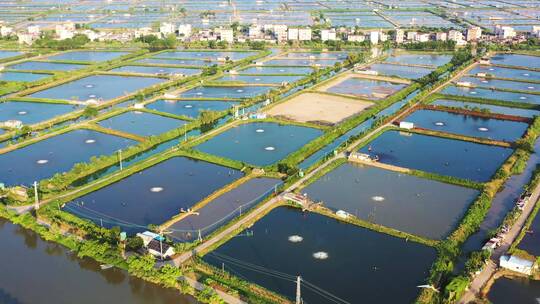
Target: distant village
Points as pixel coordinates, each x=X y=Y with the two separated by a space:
x=275 y=34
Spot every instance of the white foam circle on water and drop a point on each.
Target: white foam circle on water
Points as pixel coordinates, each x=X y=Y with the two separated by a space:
x=485 y=81
x=42 y=161
x=22 y=112
x=92 y=96
x=530 y=88
x=89 y=86
x=491 y=69
x=483 y=129
x=270 y=148
x=473 y=92
x=321 y=255
x=526 y=74
x=523 y=98
x=199 y=93
x=188 y=106
x=439 y=123
x=259 y=130
x=295 y=239
x=156 y=189
x=257 y=79
x=282 y=70
x=377 y=198
x=239 y=90
x=90 y=141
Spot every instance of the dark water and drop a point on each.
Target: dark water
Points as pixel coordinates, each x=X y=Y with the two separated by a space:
x=362 y=266
x=468 y=125
x=36 y=271
x=418 y=206
x=224 y=208
x=491 y=108
x=132 y=205
x=142 y=123
x=438 y=155
x=512 y=291
x=60 y=152
x=516 y=60
x=259 y=143
x=32 y=112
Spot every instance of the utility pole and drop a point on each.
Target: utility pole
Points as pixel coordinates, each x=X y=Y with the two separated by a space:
x=200 y=237
x=36 y=197
x=120 y=159
x=161 y=243
x=298 y=291
x=185 y=132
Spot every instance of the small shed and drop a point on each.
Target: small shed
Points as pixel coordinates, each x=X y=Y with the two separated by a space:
x=160 y=249
x=516 y=264
x=406 y=125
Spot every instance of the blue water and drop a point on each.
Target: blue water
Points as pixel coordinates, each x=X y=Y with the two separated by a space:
x=259 y=143
x=132 y=205
x=32 y=112
x=276 y=70
x=516 y=60
x=45 y=66
x=61 y=152
x=17 y=76
x=91 y=56
x=141 y=123
x=6 y=54
x=468 y=125
x=492 y=94
x=226 y=92
x=189 y=108
x=156 y=70
x=402 y=71
x=224 y=208
x=301 y=62
x=354 y=255
x=491 y=108
x=186 y=62
x=419 y=206
x=502 y=84
x=366 y=88
x=260 y=79
x=212 y=55
x=104 y=87
x=443 y=156
x=420 y=59
x=507 y=73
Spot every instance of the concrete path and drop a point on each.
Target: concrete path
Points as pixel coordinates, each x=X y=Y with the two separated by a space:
x=225 y=296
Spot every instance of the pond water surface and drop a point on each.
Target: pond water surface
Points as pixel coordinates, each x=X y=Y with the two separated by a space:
x=490 y=108
x=348 y=261
x=142 y=123
x=516 y=290
x=45 y=66
x=366 y=88
x=19 y=76
x=226 y=92
x=92 y=56
x=419 y=206
x=32 y=112
x=492 y=94
x=189 y=108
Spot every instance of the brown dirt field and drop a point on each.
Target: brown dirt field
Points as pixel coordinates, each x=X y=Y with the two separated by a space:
x=315 y=107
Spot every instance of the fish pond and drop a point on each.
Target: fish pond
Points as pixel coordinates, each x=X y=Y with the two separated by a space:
x=469 y=125
x=189 y=108
x=45 y=66
x=181 y=62
x=268 y=70
x=205 y=55
x=32 y=112
x=366 y=88
x=515 y=290
x=21 y=76
x=259 y=143
x=155 y=70
x=54 y=271
x=56 y=154
x=402 y=71
x=502 y=84
x=486 y=107
x=7 y=54
x=531 y=240
x=153 y=195
x=492 y=94
x=226 y=92
x=443 y=156
x=419 y=206
x=260 y=79
x=500 y=72
x=301 y=62
x=141 y=123
x=224 y=208
x=90 y=56
x=96 y=87
x=327 y=254
x=516 y=60
x=434 y=60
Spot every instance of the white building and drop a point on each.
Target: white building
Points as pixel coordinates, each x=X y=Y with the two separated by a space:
x=33 y=30
x=356 y=38
x=26 y=38
x=400 y=35
x=93 y=36
x=304 y=34
x=456 y=36
x=441 y=36
x=226 y=35
x=65 y=31
x=292 y=34
x=374 y=37
x=505 y=32
x=255 y=32
x=167 y=28
x=12 y=124
x=474 y=33
x=516 y=264
x=6 y=31
x=328 y=34
x=184 y=30
x=422 y=37
x=280 y=32
x=411 y=36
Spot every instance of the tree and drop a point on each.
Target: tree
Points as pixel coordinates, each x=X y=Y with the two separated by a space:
x=134 y=243
x=90 y=112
